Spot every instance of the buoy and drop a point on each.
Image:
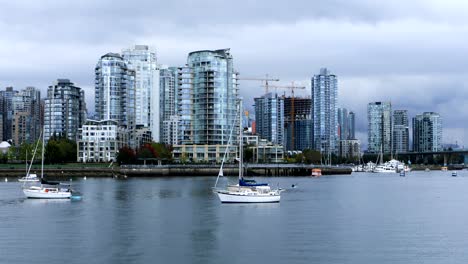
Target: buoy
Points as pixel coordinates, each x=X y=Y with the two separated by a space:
x=6 y=179
x=84 y=178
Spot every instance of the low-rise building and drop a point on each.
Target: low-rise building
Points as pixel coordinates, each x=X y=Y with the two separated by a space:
x=100 y=141
x=350 y=148
x=204 y=153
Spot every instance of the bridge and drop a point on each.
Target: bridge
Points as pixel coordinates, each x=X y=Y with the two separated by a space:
x=445 y=153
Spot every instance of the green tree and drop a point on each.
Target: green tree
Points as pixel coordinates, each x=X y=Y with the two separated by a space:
x=311 y=156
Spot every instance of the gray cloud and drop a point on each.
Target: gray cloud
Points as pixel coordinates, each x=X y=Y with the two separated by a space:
x=413 y=54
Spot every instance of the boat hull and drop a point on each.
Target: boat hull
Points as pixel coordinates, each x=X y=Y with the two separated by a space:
x=41 y=194
x=242 y=198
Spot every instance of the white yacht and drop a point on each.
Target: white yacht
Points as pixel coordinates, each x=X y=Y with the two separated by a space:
x=29 y=178
x=246 y=191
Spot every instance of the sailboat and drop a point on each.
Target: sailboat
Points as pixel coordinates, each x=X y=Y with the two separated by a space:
x=30 y=177
x=246 y=191
x=47 y=189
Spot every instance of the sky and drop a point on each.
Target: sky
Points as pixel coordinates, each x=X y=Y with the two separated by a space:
x=412 y=53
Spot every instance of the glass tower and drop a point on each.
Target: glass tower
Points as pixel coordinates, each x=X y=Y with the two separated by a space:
x=215 y=95
x=400 y=131
x=269 y=116
x=142 y=60
x=427 y=132
x=379 y=117
x=324 y=111
x=115 y=90
x=7 y=111
x=64 y=110
x=343 y=125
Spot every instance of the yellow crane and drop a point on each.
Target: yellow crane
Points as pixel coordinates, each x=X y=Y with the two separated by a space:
x=266 y=80
x=293 y=114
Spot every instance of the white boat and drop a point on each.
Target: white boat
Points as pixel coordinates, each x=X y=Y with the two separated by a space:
x=246 y=191
x=46 y=189
x=384 y=168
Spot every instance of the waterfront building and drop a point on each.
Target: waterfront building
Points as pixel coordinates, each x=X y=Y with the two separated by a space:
x=269 y=116
x=427 y=132
x=142 y=60
x=100 y=141
x=184 y=107
x=324 y=112
x=350 y=149
x=352 y=125
x=263 y=151
x=400 y=131
x=142 y=136
x=115 y=90
x=379 y=117
x=7 y=112
x=26 y=123
x=204 y=153
x=214 y=97
x=64 y=110
x=298 y=123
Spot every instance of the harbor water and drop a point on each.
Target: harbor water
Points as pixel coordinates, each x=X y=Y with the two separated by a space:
x=358 y=218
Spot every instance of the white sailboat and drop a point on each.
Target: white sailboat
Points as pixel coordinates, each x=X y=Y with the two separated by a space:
x=246 y=191
x=47 y=189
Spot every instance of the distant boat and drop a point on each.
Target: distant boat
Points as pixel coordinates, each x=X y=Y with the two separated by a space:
x=30 y=177
x=427 y=170
x=444 y=168
x=454 y=174
x=316 y=172
x=246 y=191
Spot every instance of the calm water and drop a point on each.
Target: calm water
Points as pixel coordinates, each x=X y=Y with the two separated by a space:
x=363 y=218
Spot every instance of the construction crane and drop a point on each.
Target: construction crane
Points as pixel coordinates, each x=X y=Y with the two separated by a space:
x=266 y=80
x=293 y=114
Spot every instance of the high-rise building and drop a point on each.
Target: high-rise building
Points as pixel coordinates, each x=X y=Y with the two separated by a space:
x=352 y=125
x=343 y=124
x=379 y=117
x=184 y=106
x=64 y=110
x=7 y=111
x=324 y=111
x=169 y=119
x=26 y=123
x=269 y=117
x=142 y=60
x=215 y=96
x=115 y=93
x=301 y=123
x=427 y=132
x=400 y=131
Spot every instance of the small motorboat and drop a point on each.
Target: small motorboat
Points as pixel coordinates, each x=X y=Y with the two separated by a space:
x=454 y=174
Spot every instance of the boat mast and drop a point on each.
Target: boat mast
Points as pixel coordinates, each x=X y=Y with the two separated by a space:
x=42 y=159
x=240 y=141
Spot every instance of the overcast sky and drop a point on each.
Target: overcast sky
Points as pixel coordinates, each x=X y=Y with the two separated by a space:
x=412 y=53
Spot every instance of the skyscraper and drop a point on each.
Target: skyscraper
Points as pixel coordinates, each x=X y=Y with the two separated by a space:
x=115 y=91
x=343 y=125
x=184 y=107
x=427 y=132
x=142 y=60
x=352 y=125
x=324 y=111
x=64 y=110
x=169 y=119
x=400 y=131
x=26 y=123
x=379 y=117
x=215 y=95
x=269 y=116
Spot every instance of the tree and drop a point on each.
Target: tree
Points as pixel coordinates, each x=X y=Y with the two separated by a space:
x=60 y=150
x=248 y=154
x=311 y=156
x=126 y=155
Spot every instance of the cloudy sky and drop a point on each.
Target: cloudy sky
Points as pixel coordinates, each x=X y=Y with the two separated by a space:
x=412 y=53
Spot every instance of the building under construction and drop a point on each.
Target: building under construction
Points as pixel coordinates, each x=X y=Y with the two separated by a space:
x=298 y=123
